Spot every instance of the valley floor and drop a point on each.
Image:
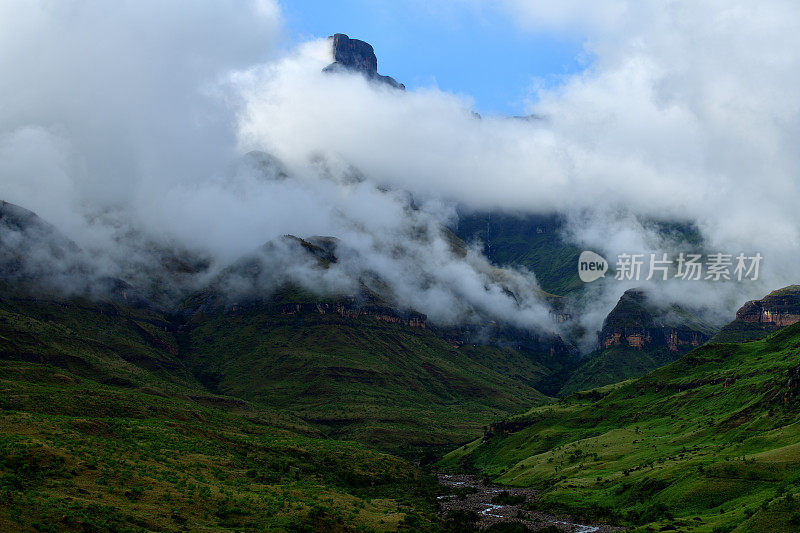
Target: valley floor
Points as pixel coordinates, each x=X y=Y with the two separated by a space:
x=490 y=505
x=709 y=443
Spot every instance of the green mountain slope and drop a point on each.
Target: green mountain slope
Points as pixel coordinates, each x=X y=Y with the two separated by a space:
x=362 y=378
x=123 y=418
x=354 y=376
x=539 y=243
x=103 y=428
x=362 y=371
x=78 y=455
x=104 y=341
x=707 y=443
x=638 y=336
x=615 y=364
x=355 y=366
x=531 y=241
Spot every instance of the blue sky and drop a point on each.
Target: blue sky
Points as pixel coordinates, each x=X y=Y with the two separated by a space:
x=461 y=49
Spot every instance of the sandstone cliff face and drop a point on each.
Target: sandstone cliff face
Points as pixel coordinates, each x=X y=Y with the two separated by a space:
x=357 y=56
x=349 y=309
x=777 y=310
x=636 y=323
x=676 y=339
x=758 y=318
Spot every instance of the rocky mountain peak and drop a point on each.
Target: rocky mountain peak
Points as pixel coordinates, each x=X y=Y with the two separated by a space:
x=357 y=56
x=354 y=54
x=639 y=323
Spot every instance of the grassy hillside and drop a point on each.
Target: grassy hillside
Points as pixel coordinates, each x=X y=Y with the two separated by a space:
x=102 y=427
x=79 y=455
x=710 y=442
x=389 y=385
x=616 y=364
x=117 y=418
x=740 y=331
x=108 y=342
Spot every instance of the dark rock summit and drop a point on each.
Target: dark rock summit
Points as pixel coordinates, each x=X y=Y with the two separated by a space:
x=357 y=56
x=354 y=54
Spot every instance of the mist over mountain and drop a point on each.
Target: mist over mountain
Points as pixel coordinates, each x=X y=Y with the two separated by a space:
x=258 y=276
x=133 y=163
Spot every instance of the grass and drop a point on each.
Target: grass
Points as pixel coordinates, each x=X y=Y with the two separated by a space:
x=393 y=387
x=105 y=341
x=615 y=364
x=707 y=443
x=169 y=464
x=120 y=419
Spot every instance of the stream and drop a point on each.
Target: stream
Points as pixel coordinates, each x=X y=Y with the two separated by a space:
x=470 y=494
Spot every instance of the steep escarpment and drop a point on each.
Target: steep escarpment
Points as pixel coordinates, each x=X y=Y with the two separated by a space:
x=637 y=323
x=375 y=378
x=347 y=362
x=757 y=318
x=348 y=307
x=638 y=336
x=353 y=363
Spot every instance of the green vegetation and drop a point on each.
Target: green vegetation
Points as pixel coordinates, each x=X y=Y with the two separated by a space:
x=536 y=243
x=616 y=364
x=740 y=331
x=790 y=290
x=710 y=442
x=79 y=455
x=121 y=419
x=394 y=387
x=102 y=427
x=531 y=241
x=248 y=417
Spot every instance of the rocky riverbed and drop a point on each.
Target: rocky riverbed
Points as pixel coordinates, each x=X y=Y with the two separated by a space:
x=495 y=503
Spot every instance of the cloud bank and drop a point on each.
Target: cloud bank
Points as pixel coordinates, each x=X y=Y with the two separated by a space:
x=128 y=131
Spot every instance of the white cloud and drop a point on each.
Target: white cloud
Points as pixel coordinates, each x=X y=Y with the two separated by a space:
x=689 y=111
x=130 y=111
x=127 y=84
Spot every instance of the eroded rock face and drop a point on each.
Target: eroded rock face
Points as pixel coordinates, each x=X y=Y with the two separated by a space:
x=357 y=56
x=636 y=323
x=677 y=339
x=778 y=309
x=349 y=309
x=758 y=318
